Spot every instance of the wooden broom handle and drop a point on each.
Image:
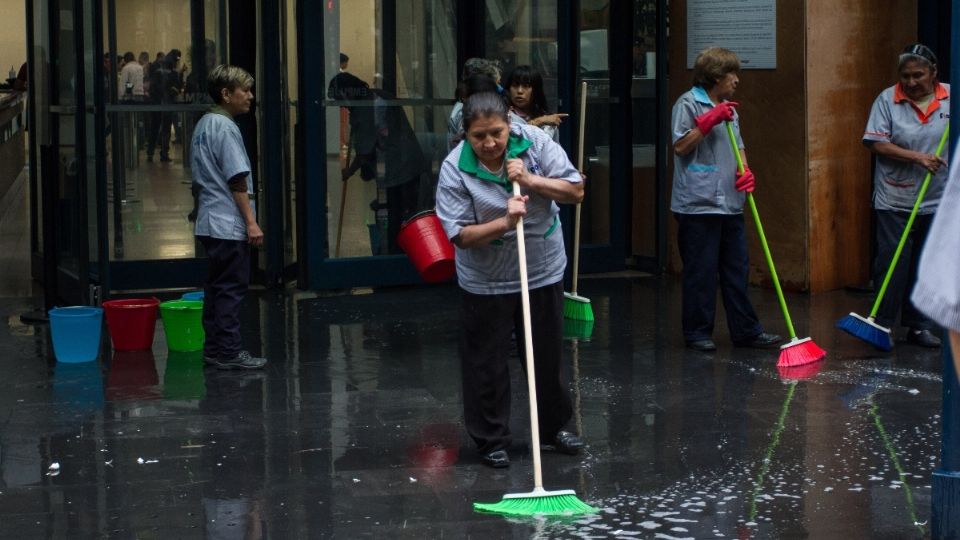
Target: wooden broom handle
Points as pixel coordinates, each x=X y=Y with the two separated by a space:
x=576 y=220
x=528 y=348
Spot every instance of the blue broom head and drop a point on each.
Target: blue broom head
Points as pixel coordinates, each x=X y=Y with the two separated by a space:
x=865 y=329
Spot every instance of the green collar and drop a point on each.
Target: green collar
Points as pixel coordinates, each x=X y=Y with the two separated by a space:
x=468 y=160
x=217 y=109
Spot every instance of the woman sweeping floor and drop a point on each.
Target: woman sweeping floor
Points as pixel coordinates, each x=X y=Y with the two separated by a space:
x=479 y=215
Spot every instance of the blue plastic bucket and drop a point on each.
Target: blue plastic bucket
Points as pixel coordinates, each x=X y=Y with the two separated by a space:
x=192 y=295
x=76 y=333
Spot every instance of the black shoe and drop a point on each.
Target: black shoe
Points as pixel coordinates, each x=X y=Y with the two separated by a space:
x=498 y=459
x=243 y=360
x=923 y=338
x=165 y=159
x=564 y=442
x=762 y=340
x=702 y=345
x=210 y=360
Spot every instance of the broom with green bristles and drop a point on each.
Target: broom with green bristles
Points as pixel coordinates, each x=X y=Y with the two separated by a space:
x=577 y=307
x=867 y=328
x=797 y=351
x=539 y=501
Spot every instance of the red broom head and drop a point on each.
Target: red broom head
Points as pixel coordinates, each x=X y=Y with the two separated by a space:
x=799 y=373
x=800 y=352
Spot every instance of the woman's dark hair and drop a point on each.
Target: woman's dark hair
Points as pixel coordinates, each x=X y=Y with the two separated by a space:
x=475 y=84
x=917 y=51
x=526 y=75
x=483 y=105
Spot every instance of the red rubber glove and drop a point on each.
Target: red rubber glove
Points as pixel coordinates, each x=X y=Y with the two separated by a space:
x=745 y=181
x=723 y=111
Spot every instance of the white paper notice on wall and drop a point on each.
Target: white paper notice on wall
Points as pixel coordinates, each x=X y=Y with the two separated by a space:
x=746 y=27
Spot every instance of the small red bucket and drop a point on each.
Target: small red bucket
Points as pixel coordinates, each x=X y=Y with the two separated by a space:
x=422 y=238
x=131 y=322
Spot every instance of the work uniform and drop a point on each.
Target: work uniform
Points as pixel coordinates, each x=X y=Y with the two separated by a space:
x=896 y=184
x=219 y=155
x=710 y=234
x=937 y=293
x=489 y=276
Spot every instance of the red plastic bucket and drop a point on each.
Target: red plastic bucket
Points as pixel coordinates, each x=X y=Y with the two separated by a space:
x=422 y=238
x=131 y=322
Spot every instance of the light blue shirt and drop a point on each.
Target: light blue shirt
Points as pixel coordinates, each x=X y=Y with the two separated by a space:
x=937 y=292
x=467 y=194
x=703 y=180
x=218 y=155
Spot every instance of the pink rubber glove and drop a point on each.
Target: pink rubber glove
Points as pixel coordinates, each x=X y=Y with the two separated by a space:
x=721 y=112
x=746 y=181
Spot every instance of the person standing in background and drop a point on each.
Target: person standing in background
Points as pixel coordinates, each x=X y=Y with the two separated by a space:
x=131 y=79
x=904 y=128
x=707 y=202
x=226 y=219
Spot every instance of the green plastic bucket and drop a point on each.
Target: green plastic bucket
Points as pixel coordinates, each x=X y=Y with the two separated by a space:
x=183 y=324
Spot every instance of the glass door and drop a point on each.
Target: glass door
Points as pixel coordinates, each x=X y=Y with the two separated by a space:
x=157 y=55
x=607 y=155
x=65 y=91
x=389 y=76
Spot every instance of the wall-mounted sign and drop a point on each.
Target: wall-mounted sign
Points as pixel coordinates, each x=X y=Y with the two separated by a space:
x=746 y=27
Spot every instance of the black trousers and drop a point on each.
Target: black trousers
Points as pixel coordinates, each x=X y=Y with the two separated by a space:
x=485 y=344
x=228 y=276
x=712 y=246
x=890 y=225
x=159 y=129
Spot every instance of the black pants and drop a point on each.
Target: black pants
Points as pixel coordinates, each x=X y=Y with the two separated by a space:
x=228 y=276
x=484 y=354
x=159 y=128
x=890 y=227
x=713 y=245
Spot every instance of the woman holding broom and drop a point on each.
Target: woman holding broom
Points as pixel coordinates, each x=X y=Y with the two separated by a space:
x=707 y=202
x=905 y=125
x=480 y=215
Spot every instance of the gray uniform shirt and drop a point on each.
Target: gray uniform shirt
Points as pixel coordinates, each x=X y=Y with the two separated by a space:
x=217 y=156
x=703 y=180
x=937 y=292
x=465 y=197
x=895 y=119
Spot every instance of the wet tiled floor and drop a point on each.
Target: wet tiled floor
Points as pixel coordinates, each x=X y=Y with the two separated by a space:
x=354 y=430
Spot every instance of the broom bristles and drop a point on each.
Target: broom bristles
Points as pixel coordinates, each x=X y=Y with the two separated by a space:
x=799 y=352
x=577 y=307
x=538 y=503
x=867 y=330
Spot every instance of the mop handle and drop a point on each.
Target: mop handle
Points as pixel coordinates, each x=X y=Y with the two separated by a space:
x=906 y=230
x=576 y=225
x=528 y=348
x=763 y=237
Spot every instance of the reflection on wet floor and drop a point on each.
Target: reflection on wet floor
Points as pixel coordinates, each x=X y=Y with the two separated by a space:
x=354 y=430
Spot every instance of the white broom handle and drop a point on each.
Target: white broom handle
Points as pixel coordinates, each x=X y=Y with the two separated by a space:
x=528 y=347
x=576 y=221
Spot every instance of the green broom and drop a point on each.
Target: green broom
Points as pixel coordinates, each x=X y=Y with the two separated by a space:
x=867 y=329
x=577 y=307
x=797 y=351
x=539 y=501
x=892 y=452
